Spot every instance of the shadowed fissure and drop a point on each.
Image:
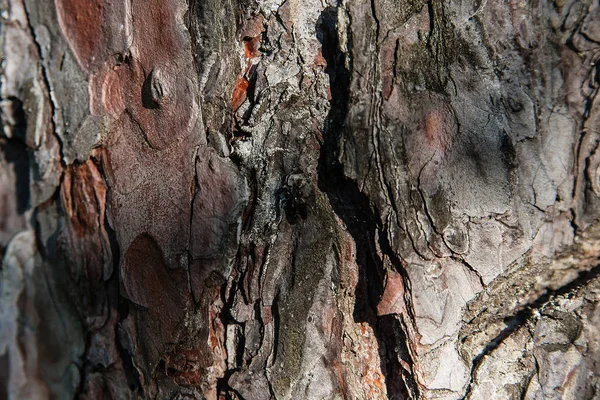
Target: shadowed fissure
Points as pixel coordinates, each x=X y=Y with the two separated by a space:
x=362 y=221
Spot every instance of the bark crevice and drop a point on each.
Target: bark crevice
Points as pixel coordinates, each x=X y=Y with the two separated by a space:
x=361 y=220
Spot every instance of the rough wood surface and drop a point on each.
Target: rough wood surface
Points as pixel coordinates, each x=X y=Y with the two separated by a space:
x=293 y=199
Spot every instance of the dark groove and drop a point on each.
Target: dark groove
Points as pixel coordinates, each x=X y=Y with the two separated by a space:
x=276 y=326
x=17 y=154
x=361 y=219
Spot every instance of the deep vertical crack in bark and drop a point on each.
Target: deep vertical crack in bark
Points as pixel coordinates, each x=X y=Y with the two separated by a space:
x=360 y=217
x=354 y=226
x=196 y=190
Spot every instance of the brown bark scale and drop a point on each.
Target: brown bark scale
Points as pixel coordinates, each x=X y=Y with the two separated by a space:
x=294 y=199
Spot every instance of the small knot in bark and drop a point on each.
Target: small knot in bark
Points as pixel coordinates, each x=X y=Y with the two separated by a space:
x=154 y=91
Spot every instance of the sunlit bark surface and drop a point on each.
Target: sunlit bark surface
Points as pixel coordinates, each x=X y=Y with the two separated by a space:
x=299 y=199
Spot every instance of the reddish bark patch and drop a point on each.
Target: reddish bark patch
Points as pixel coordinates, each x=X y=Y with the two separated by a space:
x=161 y=101
x=319 y=60
x=85 y=249
x=81 y=22
x=83 y=195
x=162 y=292
x=252 y=263
x=239 y=93
x=185 y=367
x=147 y=280
x=113 y=97
x=158 y=37
x=107 y=89
x=252 y=39
x=267 y=315
x=149 y=98
x=439 y=128
x=203 y=362
x=252 y=46
x=392 y=301
x=217 y=199
x=87 y=27
x=154 y=83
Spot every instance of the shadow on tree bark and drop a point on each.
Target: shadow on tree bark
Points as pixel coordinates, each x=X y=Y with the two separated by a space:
x=361 y=219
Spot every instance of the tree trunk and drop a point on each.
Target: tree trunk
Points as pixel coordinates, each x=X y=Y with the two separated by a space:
x=299 y=199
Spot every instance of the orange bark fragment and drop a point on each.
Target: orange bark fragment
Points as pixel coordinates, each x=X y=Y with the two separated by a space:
x=392 y=301
x=319 y=60
x=251 y=47
x=239 y=93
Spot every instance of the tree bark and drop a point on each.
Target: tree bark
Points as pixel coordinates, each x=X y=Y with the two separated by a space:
x=294 y=199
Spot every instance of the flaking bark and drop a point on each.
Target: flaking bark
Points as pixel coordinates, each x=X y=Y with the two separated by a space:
x=269 y=199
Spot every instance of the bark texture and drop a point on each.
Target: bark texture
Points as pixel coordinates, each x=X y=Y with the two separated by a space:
x=299 y=199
